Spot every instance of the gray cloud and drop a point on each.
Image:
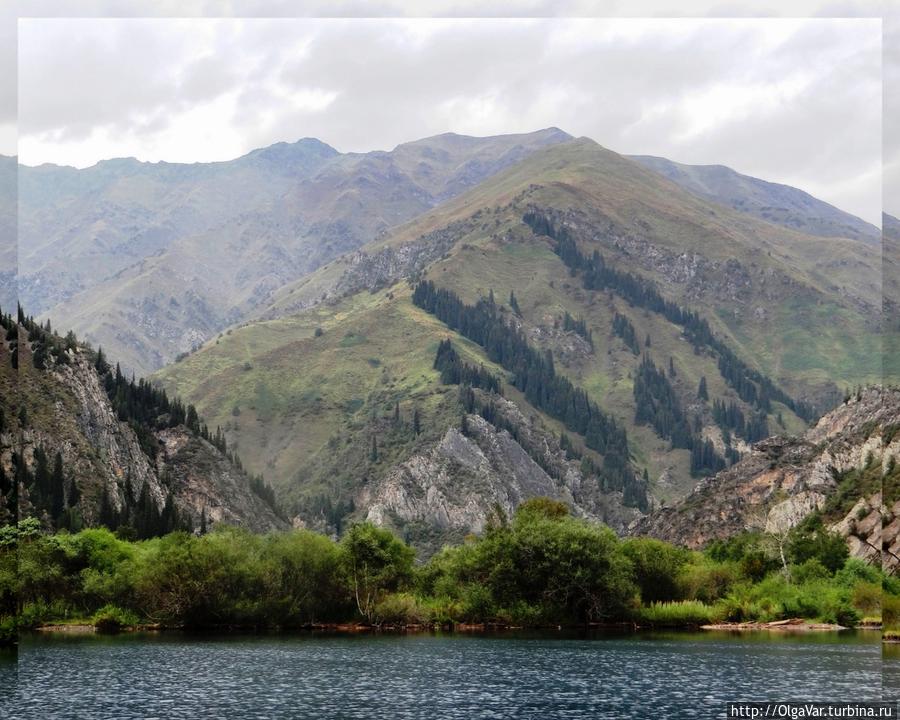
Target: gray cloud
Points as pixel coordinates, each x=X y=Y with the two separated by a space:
x=790 y=101
x=891 y=148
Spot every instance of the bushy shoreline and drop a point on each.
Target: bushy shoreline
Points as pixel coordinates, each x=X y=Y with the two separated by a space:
x=540 y=568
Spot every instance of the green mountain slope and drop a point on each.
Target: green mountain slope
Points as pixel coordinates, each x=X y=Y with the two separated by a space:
x=309 y=391
x=891 y=302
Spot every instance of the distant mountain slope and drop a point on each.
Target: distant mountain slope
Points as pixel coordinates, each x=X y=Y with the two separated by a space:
x=8 y=252
x=780 y=204
x=149 y=260
x=891 y=275
x=321 y=391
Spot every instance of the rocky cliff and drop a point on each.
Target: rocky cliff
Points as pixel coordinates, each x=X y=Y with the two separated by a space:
x=836 y=467
x=67 y=412
x=454 y=486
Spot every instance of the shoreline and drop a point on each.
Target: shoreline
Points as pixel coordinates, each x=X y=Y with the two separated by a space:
x=796 y=625
x=792 y=625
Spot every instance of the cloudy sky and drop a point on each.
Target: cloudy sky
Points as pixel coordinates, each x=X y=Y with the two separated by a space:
x=792 y=100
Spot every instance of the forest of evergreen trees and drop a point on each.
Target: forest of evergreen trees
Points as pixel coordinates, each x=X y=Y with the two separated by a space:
x=657 y=405
x=752 y=386
x=534 y=374
x=456 y=372
x=730 y=418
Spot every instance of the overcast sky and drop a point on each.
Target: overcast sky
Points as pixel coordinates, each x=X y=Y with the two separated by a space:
x=794 y=101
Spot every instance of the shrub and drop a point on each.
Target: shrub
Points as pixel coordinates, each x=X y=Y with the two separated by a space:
x=441 y=610
x=37 y=613
x=9 y=631
x=812 y=569
x=856 y=570
x=477 y=604
x=890 y=611
x=706 y=581
x=655 y=567
x=111 y=619
x=399 y=609
x=867 y=598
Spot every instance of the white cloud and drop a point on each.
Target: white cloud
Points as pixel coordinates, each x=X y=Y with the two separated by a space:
x=795 y=101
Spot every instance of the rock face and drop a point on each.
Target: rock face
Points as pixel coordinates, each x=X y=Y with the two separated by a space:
x=204 y=480
x=456 y=485
x=70 y=413
x=783 y=479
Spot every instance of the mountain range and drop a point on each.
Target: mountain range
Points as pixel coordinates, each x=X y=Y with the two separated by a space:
x=298 y=297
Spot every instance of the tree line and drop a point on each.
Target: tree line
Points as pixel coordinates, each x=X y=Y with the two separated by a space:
x=622 y=327
x=751 y=385
x=456 y=372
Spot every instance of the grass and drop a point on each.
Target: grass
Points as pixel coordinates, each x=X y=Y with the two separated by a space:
x=679 y=614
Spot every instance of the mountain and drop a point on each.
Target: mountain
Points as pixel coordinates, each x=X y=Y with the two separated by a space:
x=891 y=297
x=844 y=468
x=149 y=260
x=332 y=388
x=8 y=262
x=780 y=204
x=79 y=443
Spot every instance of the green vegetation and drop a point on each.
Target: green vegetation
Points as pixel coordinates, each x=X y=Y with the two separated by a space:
x=542 y=566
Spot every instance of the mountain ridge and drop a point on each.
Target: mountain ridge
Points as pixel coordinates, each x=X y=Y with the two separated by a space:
x=778 y=203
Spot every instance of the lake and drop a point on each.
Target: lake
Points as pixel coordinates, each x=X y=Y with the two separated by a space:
x=434 y=676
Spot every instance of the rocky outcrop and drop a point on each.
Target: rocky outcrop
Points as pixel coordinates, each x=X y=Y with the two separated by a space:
x=372 y=270
x=862 y=529
x=69 y=412
x=783 y=479
x=203 y=480
x=457 y=484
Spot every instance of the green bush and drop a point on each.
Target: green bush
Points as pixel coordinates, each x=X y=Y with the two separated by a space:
x=400 y=609
x=777 y=599
x=9 y=630
x=706 y=581
x=890 y=611
x=40 y=612
x=867 y=598
x=655 y=567
x=811 y=570
x=111 y=619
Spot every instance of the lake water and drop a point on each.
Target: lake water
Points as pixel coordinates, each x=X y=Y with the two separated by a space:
x=677 y=675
